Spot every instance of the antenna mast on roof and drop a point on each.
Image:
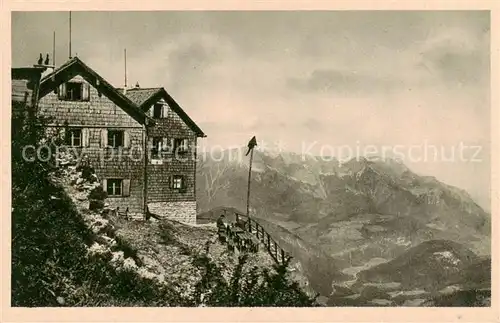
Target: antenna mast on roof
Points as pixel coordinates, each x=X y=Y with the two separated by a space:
x=70 y=35
x=125 y=85
x=54 y=50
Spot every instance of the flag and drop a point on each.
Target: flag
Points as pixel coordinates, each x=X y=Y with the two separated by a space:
x=251 y=144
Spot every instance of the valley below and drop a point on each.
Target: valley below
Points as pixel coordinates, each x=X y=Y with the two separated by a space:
x=364 y=232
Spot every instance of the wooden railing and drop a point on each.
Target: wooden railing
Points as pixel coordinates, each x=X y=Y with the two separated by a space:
x=279 y=255
x=122 y=213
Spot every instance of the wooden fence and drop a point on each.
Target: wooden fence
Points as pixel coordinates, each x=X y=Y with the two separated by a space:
x=277 y=253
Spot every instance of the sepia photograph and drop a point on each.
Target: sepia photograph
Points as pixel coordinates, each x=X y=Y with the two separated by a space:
x=251 y=158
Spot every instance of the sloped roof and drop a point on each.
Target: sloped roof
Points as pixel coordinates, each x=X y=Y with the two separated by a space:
x=25 y=84
x=145 y=97
x=140 y=95
x=75 y=67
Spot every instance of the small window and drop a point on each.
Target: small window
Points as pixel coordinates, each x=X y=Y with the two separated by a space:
x=74 y=91
x=158 y=111
x=114 y=187
x=178 y=182
x=74 y=137
x=157 y=147
x=115 y=138
x=181 y=145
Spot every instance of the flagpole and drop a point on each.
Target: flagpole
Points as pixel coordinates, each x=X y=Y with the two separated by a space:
x=249 y=180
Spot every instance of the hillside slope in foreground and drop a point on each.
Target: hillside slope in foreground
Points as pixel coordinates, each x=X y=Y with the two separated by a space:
x=65 y=254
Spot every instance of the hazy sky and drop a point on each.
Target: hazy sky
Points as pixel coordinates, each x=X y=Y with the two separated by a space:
x=335 y=78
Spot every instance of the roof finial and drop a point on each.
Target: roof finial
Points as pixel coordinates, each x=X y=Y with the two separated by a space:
x=47 y=60
x=40 y=59
x=137 y=85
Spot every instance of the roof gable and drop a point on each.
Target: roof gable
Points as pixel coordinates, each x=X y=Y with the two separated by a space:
x=140 y=95
x=146 y=97
x=75 y=67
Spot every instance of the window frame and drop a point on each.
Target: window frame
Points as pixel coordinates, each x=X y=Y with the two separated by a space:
x=182 y=182
x=111 y=132
x=79 y=92
x=160 y=106
x=75 y=89
x=178 y=144
x=156 y=150
x=111 y=181
x=70 y=140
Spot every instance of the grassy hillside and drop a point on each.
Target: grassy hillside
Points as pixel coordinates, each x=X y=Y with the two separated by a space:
x=50 y=261
x=64 y=254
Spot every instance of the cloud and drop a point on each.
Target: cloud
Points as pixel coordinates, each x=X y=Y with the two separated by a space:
x=344 y=82
x=458 y=57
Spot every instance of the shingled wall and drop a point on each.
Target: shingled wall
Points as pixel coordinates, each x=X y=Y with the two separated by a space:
x=93 y=117
x=99 y=114
x=162 y=199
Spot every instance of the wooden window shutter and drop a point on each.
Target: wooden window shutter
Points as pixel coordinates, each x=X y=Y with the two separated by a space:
x=151 y=111
x=126 y=187
x=62 y=91
x=126 y=139
x=183 y=182
x=171 y=181
x=104 y=184
x=150 y=143
x=164 y=111
x=85 y=137
x=104 y=137
x=86 y=92
x=83 y=91
x=171 y=142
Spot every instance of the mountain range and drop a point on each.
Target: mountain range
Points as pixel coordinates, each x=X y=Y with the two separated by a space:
x=342 y=219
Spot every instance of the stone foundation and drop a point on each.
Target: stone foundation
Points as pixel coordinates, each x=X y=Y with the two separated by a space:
x=180 y=211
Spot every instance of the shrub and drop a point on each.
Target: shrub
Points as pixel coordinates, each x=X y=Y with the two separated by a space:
x=50 y=263
x=95 y=205
x=248 y=286
x=96 y=198
x=98 y=194
x=88 y=173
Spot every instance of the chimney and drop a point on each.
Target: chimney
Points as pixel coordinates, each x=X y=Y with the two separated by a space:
x=41 y=63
